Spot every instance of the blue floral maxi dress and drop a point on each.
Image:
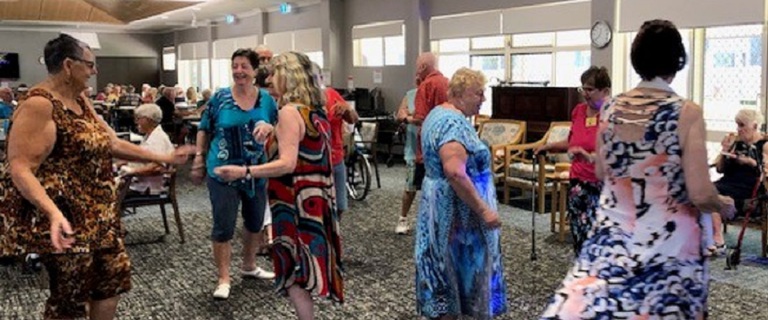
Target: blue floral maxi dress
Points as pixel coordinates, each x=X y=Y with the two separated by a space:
x=458 y=259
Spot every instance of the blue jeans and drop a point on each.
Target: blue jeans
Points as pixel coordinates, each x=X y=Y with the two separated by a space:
x=225 y=201
x=340 y=183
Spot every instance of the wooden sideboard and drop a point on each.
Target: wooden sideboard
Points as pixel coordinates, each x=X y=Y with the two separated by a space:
x=538 y=106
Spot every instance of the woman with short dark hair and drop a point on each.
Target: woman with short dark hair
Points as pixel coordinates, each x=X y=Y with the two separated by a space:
x=644 y=258
x=584 y=187
x=58 y=191
x=232 y=131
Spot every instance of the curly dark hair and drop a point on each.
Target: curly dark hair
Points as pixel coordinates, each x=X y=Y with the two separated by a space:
x=597 y=77
x=658 y=50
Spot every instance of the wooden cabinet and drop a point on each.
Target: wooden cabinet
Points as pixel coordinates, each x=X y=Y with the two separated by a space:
x=538 y=106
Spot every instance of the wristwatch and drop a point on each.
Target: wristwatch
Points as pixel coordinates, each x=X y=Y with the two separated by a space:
x=248 y=175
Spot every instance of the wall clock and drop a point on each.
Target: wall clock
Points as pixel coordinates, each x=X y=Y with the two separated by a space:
x=601 y=34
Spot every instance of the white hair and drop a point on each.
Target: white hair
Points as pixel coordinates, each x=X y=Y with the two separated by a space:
x=750 y=116
x=150 y=111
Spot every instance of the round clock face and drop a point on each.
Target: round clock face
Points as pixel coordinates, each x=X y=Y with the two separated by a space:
x=601 y=34
x=41 y=60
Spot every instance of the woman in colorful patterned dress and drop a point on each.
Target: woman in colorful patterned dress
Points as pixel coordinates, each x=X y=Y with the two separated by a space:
x=644 y=259
x=307 y=246
x=458 y=255
x=584 y=191
x=58 y=192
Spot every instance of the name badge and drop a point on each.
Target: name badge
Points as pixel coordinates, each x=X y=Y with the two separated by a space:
x=591 y=121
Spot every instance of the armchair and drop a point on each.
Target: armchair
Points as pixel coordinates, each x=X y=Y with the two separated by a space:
x=497 y=135
x=518 y=164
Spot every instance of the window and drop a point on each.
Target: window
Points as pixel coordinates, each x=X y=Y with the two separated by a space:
x=732 y=73
x=494 y=42
x=394 y=51
x=316 y=57
x=221 y=73
x=194 y=73
x=493 y=67
x=169 y=59
x=558 y=58
x=378 y=44
x=532 y=67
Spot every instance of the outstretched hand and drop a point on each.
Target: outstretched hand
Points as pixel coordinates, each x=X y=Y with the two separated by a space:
x=181 y=154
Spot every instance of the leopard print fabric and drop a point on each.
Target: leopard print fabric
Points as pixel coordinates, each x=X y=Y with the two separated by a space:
x=77 y=176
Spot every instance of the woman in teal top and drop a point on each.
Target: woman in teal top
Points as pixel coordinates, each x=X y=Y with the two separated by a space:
x=232 y=131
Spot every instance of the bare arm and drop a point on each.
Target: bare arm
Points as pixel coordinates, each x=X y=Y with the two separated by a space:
x=290 y=129
x=454 y=159
x=33 y=138
x=692 y=132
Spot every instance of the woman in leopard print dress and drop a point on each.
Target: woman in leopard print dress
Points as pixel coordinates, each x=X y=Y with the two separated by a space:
x=57 y=188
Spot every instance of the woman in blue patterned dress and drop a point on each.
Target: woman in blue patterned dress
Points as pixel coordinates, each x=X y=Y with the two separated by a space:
x=644 y=258
x=458 y=256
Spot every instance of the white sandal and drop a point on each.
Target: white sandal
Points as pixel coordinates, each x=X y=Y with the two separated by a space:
x=221 y=292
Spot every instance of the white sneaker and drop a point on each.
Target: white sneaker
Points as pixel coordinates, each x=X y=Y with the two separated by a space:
x=402 y=226
x=221 y=292
x=258 y=273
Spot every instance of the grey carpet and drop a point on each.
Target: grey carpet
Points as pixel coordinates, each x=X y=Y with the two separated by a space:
x=175 y=281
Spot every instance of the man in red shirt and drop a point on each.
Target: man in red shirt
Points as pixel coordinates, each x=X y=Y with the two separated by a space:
x=432 y=92
x=338 y=112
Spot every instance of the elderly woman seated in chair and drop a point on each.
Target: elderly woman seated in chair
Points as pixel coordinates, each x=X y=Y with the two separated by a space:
x=740 y=161
x=148 y=176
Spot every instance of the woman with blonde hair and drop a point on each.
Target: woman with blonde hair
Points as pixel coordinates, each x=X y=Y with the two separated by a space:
x=307 y=246
x=192 y=96
x=458 y=255
x=151 y=96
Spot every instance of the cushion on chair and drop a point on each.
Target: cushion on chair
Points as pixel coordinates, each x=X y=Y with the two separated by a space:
x=494 y=133
x=557 y=134
x=525 y=170
x=527 y=182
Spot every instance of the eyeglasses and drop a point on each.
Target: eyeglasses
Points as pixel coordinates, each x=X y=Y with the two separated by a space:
x=89 y=64
x=587 y=90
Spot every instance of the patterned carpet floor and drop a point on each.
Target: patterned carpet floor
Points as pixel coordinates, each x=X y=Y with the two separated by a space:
x=175 y=281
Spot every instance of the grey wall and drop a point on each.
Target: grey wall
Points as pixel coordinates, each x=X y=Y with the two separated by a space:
x=30 y=44
x=396 y=80
x=604 y=10
x=447 y=7
x=245 y=27
x=304 y=18
x=166 y=40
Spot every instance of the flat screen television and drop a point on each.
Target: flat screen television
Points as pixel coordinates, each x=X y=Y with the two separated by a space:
x=9 y=65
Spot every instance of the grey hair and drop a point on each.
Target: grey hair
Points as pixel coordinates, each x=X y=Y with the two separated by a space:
x=750 y=116
x=150 y=111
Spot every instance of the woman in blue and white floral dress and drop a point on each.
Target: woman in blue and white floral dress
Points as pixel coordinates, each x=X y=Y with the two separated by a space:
x=643 y=258
x=458 y=257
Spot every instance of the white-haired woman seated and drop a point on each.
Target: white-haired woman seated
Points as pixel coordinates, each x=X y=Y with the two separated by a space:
x=148 y=178
x=740 y=162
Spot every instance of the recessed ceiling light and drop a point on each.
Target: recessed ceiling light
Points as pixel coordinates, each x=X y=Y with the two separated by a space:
x=164 y=17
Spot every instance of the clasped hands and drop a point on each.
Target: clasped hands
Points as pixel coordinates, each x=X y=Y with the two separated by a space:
x=261 y=133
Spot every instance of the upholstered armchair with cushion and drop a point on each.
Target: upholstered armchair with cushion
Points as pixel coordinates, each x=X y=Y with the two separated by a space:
x=498 y=135
x=518 y=164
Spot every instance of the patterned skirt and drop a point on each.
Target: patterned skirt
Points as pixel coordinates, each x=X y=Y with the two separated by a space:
x=583 y=199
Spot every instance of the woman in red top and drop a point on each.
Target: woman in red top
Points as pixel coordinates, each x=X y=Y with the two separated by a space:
x=585 y=187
